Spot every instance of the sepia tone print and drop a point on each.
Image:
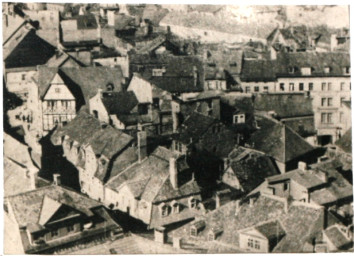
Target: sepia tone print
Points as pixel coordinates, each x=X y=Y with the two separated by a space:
x=174 y=129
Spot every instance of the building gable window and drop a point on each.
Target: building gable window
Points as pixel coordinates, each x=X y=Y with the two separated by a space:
x=257 y=244
x=250 y=243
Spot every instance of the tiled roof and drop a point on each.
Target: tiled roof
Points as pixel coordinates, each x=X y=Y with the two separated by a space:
x=194 y=126
x=179 y=71
x=251 y=167
x=271 y=230
x=75 y=130
x=89 y=79
x=299 y=223
x=278 y=141
x=117 y=103
x=27 y=206
x=339 y=188
x=30 y=51
x=152 y=176
x=338 y=238
x=109 y=141
x=258 y=71
x=345 y=142
x=284 y=105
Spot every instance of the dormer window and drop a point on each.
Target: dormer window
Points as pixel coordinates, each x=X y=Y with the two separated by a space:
x=164 y=209
x=306 y=71
x=193 y=203
x=175 y=206
x=158 y=71
x=239 y=119
x=109 y=87
x=346 y=70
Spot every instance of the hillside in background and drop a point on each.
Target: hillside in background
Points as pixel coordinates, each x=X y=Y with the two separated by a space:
x=255 y=21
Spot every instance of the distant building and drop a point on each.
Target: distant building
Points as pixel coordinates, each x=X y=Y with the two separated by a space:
x=319 y=184
x=54 y=218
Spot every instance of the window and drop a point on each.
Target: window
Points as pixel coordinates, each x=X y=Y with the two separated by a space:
x=256 y=88
x=291 y=87
x=301 y=86
x=341 y=117
x=282 y=86
x=291 y=70
x=329 y=87
x=329 y=118
x=346 y=70
x=65 y=104
x=323 y=87
x=51 y=104
x=248 y=89
x=235 y=119
x=286 y=186
x=109 y=87
x=265 y=88
x=327 y=70
x=250 y=243
x=175 y=207
x=323 y=102
x=257 y=244
x=165 y=210
x=158 y=72
x=194 y=231
x=342 y=86
x=70 y=228
x=57 y=90
x=323 y=118
x=23 y=77
x=54 y=232
x=310 y=86
x=330 y=102
x=342 y=99
x=193 y=203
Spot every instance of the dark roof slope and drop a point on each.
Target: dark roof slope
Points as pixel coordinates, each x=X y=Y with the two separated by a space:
x=251 y=167
x=89 y=79
x=117 y=103
x=258 y=71
x=284 y=105
x=31 y=51
x=345 y=142
x=279 y=141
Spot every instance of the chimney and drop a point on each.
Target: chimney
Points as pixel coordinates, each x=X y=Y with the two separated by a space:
x=238 y=206
x=173 y=172
x=142 y=145
x=217 y=200
x=252 y=201
x=56 y=179
x=302 y=166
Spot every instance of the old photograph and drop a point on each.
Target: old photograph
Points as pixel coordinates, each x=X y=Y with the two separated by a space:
x=176 y=128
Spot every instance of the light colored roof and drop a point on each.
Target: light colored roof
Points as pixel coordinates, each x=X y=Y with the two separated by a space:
x=49 y=207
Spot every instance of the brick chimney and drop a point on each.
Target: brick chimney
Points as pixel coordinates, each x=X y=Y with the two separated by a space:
x=173 y=172
x=142 y=145
x=56 y=179
x=302 y=166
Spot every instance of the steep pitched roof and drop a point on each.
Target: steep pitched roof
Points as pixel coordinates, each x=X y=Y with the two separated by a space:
x=89 y=79
x=117 y=103
x=345 y=142
x=258 y=71
x=27 y=206
x=284 y=105
x=30 y=51
x=194 y=126
x=152 y=178
x=251 y=167
x=278 y=141
x=75 y=130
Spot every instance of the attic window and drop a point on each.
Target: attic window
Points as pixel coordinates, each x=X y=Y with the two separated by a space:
x=109 y=87
x=291 y=70
x=346 y=70
x=158 y=71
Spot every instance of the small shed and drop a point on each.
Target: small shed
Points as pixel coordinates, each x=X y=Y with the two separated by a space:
x=197 y=227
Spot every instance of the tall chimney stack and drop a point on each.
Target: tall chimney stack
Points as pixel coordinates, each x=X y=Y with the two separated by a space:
x=142 y=145
x=173 y=172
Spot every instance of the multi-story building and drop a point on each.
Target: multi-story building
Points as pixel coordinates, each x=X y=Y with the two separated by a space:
x=323 y=76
